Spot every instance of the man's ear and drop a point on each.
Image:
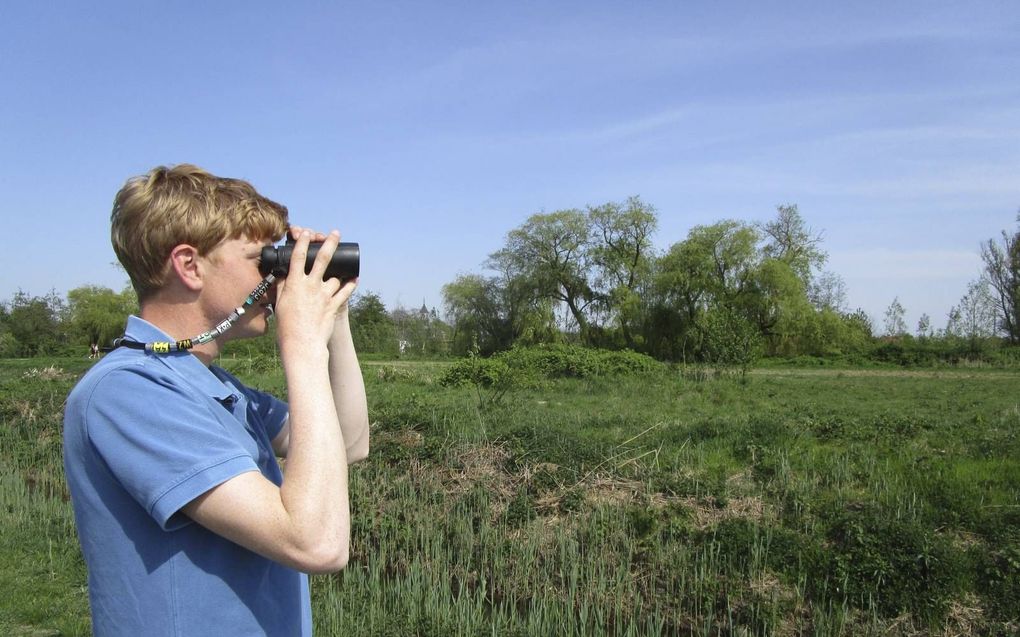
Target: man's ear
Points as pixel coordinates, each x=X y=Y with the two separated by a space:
x=186 y=266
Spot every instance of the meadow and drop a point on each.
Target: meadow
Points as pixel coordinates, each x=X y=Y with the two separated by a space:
x=653 y=501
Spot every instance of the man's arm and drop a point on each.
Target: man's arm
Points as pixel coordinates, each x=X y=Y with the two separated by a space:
x=348 y=388
x=305 y=523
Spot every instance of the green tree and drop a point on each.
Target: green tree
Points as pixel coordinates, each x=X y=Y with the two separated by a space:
x=778 y=305
x=828 y=291
x=621 y=251
x=860 y=322
x=975 y=314
x=490 y=314
x=420 y=332
x=551 y=252
x=97 y=314
x=924 y=329
x=713 y=268
x=831 y=333
x=35 y=323
x=716 y=263
x=730 y=340
x=789 y=239
x=472 y=303
x=372 y=328
x=895 y=325
x=1002 y=268
x=8 y=344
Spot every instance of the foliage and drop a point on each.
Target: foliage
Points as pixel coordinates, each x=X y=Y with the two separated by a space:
x=261 y=347
x=551 y=251
x=594 y=262
x=474 y=370
x=727 y=295
x=791 y=241
x=420 y=333
x=97 y=314
x=520 y=366
x=893 y=565
x=492 y=314
x=372 y=328
x=828 y=292
x=35 y=324
x=895 y=326
x=1002 y=268
x=620 y=251
x=596 y=268
x=974 y=317
x=730 y=340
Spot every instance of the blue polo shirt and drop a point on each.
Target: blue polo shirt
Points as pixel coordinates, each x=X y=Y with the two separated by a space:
x=144 y=434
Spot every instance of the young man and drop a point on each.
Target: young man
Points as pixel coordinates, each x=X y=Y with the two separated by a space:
x=187 y=524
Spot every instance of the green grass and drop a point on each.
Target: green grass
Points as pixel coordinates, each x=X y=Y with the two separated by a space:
x=795 y=501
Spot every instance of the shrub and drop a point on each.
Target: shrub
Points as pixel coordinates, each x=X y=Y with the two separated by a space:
x=521 y=365
x=391 y=374
x=481 y=372
x=891 y=565
x=999 y=580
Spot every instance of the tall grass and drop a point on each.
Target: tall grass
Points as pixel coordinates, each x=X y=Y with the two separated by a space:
x=660 y=503
x=42 y=573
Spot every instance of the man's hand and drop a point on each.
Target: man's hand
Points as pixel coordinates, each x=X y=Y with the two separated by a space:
x=317 y=237
x=307 y=306
x=346 y=383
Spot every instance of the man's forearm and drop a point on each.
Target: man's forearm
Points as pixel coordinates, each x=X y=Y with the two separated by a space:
x=348 y=388
x=314 y=491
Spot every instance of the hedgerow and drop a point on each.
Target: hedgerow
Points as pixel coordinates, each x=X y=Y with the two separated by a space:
x=521 y=365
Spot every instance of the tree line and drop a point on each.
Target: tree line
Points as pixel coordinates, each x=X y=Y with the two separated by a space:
x=54 y=325
x=727 y=293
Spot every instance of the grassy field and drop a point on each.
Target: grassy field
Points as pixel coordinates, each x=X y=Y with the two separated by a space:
x=790 y=502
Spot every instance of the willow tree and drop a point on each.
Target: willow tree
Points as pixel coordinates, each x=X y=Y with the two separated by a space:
x=97 y=314
x=551 y=252
x=621 y=249
x=709 y=272
x=789 y=239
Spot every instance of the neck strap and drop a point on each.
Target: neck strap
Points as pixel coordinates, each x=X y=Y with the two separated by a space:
x=169 y=347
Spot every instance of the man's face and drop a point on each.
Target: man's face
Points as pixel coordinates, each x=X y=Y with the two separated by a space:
x=232 y=272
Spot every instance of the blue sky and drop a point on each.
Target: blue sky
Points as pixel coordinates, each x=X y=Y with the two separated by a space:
x=427 y=131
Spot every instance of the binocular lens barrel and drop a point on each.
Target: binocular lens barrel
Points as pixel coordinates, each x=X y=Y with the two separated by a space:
x=345 y=264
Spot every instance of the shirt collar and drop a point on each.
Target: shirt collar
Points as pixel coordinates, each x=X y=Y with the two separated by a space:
x=184 y=363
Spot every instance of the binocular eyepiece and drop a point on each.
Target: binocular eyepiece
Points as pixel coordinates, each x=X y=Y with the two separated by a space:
x=345 y=264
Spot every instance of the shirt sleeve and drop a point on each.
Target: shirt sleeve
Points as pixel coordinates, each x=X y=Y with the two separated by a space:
x=165 y=445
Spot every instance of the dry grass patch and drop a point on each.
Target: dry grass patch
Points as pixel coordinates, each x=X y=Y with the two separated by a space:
x=47 y=373
x=705 y=512
x=481 y=464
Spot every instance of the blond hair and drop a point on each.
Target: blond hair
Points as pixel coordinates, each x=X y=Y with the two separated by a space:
x=169 y=206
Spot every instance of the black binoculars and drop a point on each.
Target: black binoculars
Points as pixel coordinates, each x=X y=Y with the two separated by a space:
x=345 y=264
